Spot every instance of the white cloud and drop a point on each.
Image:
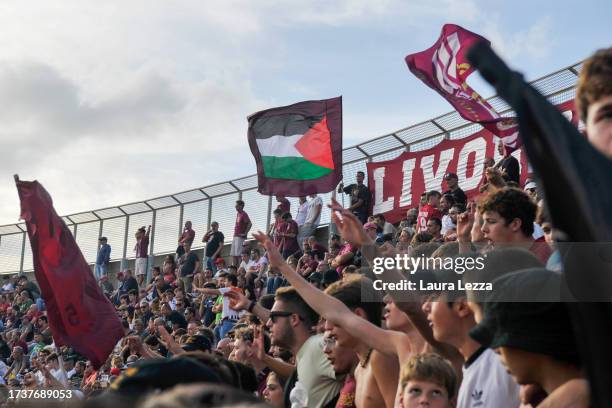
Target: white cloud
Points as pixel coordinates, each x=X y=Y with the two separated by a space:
x=536 y=41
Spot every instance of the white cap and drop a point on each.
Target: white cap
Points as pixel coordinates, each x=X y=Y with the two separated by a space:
x=530 y=185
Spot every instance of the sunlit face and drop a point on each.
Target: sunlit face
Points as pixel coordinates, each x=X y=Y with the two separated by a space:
x=444 y=204
x=476 y=309
x=520 y=364
x=281 y=332
x=433 y=228
x=424 y=394
x=341 y=358
x=273 y=393
x=394 y=318
x=496 y=230
x=441 y=318
x=548 y=233
x=599 y=125
x=343 y=339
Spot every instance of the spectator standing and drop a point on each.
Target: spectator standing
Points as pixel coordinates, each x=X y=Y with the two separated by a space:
x=186 y=238
x=288 y=232
x=103 y=258
x=429 y=210
x=508 y=165
x=283 y=204
x=142 y=253
x=214 y=244
x=313 y=217
x=300 y=216
x=190 y=263
x=360 y=197
x=452 y=182
x=241 y=229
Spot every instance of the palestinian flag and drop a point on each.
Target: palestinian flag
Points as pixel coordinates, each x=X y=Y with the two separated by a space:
x=298 y=148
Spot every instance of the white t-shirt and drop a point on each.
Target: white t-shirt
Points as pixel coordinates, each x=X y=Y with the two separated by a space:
x=447 y=224
x=227 y=310
x=486 y=383
x=8 y=287
x=300 y=217
x=310 y=215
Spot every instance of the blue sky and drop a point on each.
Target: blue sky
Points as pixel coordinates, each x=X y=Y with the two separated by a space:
x=122 y=101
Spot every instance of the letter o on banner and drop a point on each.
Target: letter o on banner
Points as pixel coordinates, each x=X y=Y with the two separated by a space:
x=478 y=147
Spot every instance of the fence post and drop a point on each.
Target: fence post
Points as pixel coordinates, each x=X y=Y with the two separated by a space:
x=124 y=264
x=23 y=244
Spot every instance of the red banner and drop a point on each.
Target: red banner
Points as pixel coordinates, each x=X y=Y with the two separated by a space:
x=78 y=312
x=397 y=184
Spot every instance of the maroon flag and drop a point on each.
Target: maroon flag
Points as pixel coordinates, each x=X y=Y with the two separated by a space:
x=445 y=68
x=79 y=314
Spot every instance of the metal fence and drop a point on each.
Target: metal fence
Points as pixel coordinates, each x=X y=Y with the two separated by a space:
x=215 y=202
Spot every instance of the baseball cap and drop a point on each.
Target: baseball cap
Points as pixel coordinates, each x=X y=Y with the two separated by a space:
x=197 y=342
x=525 y=312
x=162 y=374
x=450 y=175
x=530 y=185
x=219 y=261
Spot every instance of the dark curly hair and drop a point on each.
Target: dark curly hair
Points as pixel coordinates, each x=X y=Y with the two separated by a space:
x=511 y=203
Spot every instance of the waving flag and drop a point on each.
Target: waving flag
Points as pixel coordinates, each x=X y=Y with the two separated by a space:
x=445 y=68
x=78 y=312
x=298 y=148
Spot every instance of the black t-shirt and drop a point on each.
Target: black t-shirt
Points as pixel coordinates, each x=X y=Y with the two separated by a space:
x=129 y=284
x=458 y=195
x=189 y=264
x=359 y=192
x=176 y=317
x=214 y=242
x=511 y=165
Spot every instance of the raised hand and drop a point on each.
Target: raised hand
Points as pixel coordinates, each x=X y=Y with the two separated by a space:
x=274 y=256
x=238 y=301
x=465 y=222
x=349 y=225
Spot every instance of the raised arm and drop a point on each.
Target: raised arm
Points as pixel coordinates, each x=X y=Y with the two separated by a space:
x=331 y=308
x=352 y=230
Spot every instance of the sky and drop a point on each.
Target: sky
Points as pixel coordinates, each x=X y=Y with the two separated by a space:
x=112 y=102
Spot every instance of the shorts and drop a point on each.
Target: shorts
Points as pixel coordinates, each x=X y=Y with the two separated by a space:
x=141 y=266
x=237 y=245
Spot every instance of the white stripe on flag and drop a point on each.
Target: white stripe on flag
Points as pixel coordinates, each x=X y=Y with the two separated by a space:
x=279 y=146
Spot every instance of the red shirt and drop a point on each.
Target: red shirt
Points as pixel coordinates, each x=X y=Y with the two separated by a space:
x=347 y=393
x=284 y=205
x=276 y=237
x=290 y=244
x=541 y=250
x=345 y=249
x=188 y=236
x=242 y=221
x=142 y=247
x=427 y=211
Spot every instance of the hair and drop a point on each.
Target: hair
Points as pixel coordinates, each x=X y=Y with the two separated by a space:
x=51 y=357
x=233 y=279
x=361 y=172
x=542 y=215
x=358 y=292
x=459 y=206
x=267 y=301
x=421 y=238
x=427 y=249
x=446 y=250
x=595 y=80
x=286 y=216
x=437 y=221
x=433 y=193
x=511 y=203
x=240 y=203
x=497 y=263
x=278 y=212
x=296 y=304
x=450 y=198
x=430 y=368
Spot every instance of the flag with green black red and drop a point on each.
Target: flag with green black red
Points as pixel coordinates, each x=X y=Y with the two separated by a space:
x=298 y=148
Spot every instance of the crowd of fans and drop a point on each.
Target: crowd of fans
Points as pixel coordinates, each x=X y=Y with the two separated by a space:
x=288 y=320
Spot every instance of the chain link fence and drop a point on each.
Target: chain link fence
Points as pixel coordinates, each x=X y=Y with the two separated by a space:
x=215 y=202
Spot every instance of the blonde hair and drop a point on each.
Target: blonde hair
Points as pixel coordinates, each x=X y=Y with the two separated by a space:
x=431 y=368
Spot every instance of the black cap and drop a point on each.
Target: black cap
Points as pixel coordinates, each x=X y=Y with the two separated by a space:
x=450 y=175
x=160 y=374
x=197 y=343
x=315 y=277
x=513 y=316
x=330 y=276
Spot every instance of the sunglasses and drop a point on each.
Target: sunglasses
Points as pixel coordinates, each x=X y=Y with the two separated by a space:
x=277 y=314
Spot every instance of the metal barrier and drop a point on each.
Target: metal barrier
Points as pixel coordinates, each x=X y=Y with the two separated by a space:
x=215 y=202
